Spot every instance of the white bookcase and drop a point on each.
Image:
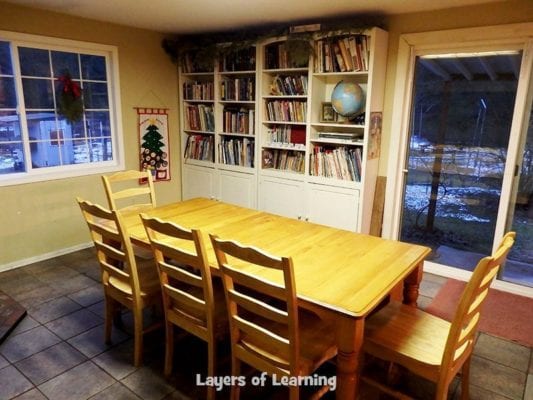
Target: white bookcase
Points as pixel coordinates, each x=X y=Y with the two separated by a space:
x=289 y=134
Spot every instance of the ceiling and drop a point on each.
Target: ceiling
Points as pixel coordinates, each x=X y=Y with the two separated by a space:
x=193 y=16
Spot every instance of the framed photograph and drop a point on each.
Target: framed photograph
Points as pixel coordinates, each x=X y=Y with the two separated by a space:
x=328 y=114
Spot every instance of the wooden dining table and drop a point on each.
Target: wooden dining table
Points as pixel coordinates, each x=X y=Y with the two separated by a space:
x=340 y=275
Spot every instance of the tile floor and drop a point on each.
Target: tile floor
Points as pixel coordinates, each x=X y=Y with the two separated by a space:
x=57 y=352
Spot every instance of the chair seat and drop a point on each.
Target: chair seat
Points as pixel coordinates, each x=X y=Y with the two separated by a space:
x=407 y=336
x=317 y=339
x=148 y=279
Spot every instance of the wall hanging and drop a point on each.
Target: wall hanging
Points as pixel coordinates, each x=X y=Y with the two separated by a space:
x=154 y=144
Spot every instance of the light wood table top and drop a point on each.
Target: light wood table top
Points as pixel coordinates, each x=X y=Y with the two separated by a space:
x=337 y=272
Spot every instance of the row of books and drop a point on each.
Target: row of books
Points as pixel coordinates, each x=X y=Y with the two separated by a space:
x=338 y=162
x=342 y=54
x=199 y=147
x=200 y=117
x=277 y=57
x=237 y=151
x=198 y=90
x=238 y=60
x=286 y=160
x=287 y=110
x=289 y=85
x=238 y=89
x=238 y=120
x=286 y=134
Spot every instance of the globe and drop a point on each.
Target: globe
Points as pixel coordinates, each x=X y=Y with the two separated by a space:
x=347 y=99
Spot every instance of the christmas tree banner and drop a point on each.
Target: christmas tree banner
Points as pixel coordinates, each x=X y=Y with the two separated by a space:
x=154 y=145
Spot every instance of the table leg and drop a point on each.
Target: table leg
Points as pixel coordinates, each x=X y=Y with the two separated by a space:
x=349 y=333
x=411 y=285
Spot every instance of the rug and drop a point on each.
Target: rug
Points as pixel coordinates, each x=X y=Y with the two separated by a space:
x=506 y=315
x=11 y=313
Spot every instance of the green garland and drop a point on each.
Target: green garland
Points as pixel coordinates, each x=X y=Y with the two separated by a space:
x=206 y=48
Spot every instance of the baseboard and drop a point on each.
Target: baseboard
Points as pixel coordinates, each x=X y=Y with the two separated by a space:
x=46 y=256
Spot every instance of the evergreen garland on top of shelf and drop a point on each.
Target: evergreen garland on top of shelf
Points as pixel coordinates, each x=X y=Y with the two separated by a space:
x=206 y=48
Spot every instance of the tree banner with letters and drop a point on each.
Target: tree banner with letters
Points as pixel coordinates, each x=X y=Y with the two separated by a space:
x=154 y=145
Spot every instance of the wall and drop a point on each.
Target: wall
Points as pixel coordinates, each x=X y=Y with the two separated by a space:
x=39 y=219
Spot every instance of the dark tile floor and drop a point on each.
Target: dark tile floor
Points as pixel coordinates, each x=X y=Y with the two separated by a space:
x=57 y=352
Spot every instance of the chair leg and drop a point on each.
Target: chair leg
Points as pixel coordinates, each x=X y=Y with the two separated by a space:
x=442 y=391
x=211 y=362
x=169 y=348
x=465 y=379
x=235 y=371
x=109 y=315
x=294 y=392
x=138 y=336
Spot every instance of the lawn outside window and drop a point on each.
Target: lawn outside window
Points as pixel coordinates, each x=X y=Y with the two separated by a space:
x=38 y=139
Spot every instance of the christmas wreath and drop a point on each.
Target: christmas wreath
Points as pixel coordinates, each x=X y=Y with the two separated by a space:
x=70 y=104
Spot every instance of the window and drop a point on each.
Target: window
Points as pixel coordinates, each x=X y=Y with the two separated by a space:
x=59 y=110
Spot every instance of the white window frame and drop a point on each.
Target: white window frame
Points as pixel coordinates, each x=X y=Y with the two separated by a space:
x=115 y=114
x=468 y=40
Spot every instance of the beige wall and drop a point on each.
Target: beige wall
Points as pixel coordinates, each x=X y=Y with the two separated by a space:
x=42 y=218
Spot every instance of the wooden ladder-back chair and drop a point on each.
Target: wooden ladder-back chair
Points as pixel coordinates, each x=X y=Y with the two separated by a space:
x=126 y=282
x=429 y=346
x=273 y=337
x=190 y=299
x=126 y=185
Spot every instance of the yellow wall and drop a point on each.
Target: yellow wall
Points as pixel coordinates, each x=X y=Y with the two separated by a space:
x=42 y=218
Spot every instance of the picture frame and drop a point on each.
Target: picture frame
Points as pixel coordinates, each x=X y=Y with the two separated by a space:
x=328 y=114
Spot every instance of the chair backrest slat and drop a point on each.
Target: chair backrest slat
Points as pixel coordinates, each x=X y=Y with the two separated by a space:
x=185 y=276
x=461 y=338
x=263 y=313
x=259 y=307
x=118 y=187
x=113 y=246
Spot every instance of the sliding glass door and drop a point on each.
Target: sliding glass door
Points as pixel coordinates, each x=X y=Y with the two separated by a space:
x=459 y=151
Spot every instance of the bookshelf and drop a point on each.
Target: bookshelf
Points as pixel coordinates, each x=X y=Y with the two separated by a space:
x=274 y=141
x=284 y=103
x=218 y=125
x=344 y=152
x=236 y=104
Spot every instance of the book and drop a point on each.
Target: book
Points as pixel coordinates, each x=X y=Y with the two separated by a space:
x=346 y=57
x=338 y=57
x=355 y=137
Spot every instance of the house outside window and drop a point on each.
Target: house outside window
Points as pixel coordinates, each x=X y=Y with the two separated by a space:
x=43 y=133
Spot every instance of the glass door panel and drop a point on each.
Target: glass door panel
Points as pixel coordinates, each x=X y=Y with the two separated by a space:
x=461 y=118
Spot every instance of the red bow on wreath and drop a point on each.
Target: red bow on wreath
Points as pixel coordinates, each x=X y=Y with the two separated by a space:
x=70 y=103
x=69 y=86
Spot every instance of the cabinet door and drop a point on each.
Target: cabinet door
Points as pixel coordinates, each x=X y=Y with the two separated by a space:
x=198 y=182
x=332 y=206
x=238 y=188
x=282 y=197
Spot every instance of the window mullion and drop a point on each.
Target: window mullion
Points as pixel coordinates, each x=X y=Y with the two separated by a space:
x=21 y=107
